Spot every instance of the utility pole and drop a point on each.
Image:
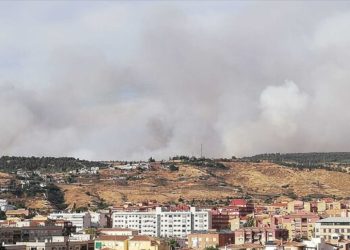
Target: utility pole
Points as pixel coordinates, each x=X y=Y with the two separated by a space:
x=201 y=150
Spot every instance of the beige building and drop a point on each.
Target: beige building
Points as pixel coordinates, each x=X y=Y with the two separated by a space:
x=210 y=239
x=118 y=231
x=138 y=242
x=21 y=213
x=55 y=243
x=333 y=228
x=295 y=206
x=299 y=225
x=327 y=204
x=113 y=242
x=142 y=242
x=235 y=223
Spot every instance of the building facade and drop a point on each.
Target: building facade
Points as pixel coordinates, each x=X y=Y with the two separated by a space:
x=333 y=228
x=79 y=220
x=162 y=222
x=210 y=239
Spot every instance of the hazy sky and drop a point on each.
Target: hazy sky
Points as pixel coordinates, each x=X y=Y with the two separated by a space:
x=130 y=80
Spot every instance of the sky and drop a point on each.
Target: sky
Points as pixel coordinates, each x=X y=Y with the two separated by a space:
x=127 y=80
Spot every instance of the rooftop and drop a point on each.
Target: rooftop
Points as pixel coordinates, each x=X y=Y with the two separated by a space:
x=335 y=219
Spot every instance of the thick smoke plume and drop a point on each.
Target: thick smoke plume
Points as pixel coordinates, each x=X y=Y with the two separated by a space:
x=118 y=80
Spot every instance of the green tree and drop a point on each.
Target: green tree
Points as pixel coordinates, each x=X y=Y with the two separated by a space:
x=211 y=248
x=250 y=222
x=173 y=244
x=3 y=215
x=173 y=168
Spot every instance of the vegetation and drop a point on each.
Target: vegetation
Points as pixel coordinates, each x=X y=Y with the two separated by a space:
x=2 y=215
x=56 y=196
x=173 y=168
x=45 y=164
x=211 y=248
x=306 y=160
x=250 y=222
x=173 y=244
x=203 y=162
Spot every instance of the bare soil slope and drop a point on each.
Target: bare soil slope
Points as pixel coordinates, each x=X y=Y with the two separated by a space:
x=192 y=182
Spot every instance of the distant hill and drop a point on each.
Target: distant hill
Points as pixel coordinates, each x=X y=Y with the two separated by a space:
x=45 y=164
x=319 y=160
x=196 y=184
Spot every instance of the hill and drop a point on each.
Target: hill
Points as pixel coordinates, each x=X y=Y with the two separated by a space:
x=195 y=181
x=45 y=164
x=338 y=161
x=264 y=181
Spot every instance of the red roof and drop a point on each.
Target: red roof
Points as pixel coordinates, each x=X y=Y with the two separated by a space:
x=238 y=202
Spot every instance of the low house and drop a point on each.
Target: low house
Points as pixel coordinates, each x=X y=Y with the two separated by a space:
x=113 y=242
x=210 y=239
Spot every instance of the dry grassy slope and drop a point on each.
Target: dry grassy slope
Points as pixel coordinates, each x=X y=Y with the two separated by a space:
x=269 y=178
x=192 y=182
x=5 y=178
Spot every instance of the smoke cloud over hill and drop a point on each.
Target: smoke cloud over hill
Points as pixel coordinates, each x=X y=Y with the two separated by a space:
x=118 y=80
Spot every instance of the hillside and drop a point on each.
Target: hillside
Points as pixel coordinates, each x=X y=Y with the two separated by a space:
x=258 y=180
x=44 y=164
x=337 y=161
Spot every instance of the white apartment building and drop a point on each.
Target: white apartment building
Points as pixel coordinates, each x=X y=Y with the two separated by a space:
x=164 y=223
x=79 y=220
x=145 y=222
x=333 y=228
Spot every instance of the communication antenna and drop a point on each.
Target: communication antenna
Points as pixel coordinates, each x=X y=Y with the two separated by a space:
x=201 y=150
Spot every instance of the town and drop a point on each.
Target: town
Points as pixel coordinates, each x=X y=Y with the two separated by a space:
x=295 y=225
x=174 y=125
x=44 y=204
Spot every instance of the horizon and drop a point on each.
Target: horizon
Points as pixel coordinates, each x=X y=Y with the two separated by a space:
x=168 y=158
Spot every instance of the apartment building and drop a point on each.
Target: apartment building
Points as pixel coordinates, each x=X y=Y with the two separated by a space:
x=327 y=204
x=147 y=243
x=220 y=221
x=139 y=242
x=296 y=206
x=79 y=220
x=257 y=235
x=147 y=223
x=163 y=222
x=18 y=213
x=239 y=207
x=113 y=242
x=210 y=239
x=11 y=235
x=54 y=243
x=333 y=228
x=299 y=225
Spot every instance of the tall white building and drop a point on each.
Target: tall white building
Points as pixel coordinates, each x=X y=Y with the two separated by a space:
x=79 y=220
x=145 y=222
x=164 y=223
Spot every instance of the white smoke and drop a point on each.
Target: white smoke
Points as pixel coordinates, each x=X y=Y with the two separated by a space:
x=129 y=81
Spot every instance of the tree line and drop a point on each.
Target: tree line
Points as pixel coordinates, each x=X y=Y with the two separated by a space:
x=46 y=164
